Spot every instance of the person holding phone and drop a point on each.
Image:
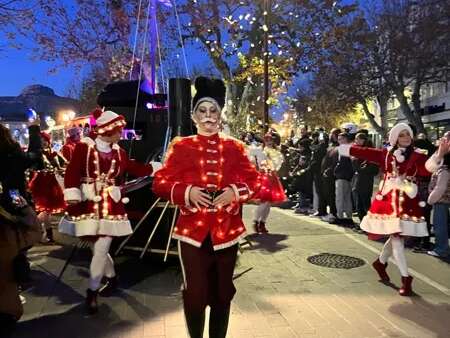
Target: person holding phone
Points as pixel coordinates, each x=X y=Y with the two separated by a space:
x=15 y=238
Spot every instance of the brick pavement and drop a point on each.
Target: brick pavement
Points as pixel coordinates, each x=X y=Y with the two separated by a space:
x=280 y=295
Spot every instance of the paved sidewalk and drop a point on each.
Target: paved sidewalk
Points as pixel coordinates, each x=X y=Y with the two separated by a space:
x=280 y=294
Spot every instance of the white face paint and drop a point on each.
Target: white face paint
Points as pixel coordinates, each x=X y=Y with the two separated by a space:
x=207 y=118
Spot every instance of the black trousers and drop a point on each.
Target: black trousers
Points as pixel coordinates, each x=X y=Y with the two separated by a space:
x=208 y=276
x=363 y=200
x=329 y=190
x=317 y=181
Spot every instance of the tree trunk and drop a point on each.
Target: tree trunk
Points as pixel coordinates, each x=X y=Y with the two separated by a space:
x=417 y=106
x=383 y=102
x=372 y=120
x=230 y=99
x=413 y=117
x=244 y=101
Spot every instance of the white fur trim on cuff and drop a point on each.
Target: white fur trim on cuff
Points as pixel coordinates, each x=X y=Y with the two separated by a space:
x=344 y=150
x=186 y=195
x=171 y=192
x=236 y=191
x=156 y=166
x=72 y=194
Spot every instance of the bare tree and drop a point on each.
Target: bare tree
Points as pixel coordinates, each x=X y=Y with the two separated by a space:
x=414 y=39
x=231 y=32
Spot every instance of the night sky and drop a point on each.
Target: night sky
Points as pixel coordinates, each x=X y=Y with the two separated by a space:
x=18 y=71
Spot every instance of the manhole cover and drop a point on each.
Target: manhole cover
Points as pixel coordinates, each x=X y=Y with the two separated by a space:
x=336 y=261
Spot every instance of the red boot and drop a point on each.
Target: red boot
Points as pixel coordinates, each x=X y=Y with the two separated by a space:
x=380 y=268
x=262 y=228
x=406 y=289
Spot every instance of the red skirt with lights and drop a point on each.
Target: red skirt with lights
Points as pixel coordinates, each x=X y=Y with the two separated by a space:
x=271 y=189
x=47 y=193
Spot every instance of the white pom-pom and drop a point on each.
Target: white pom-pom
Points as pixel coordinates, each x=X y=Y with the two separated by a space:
x=97 y=198
x=125 y=200
x=379 y=197
x=398 y=154
x=422 y=204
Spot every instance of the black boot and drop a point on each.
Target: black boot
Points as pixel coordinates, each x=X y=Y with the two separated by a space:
x=7 y=324
x=256 y=226
x=91 y=301
x=108 y=289
x=218 y=322
x=195 y=323
x=50 y=235
x=262 y=228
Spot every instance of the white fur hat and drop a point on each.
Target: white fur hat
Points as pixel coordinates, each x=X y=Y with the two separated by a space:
x=396 y=130
x=107 y=120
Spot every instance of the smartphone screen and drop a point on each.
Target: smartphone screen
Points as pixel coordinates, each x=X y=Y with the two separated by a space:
x=15 y=195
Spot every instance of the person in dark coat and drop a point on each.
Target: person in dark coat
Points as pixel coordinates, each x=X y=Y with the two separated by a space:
x=302 y=177
x=343 y=173
x=14 y=238
x=363 y=179
x=318 y=152
x=328 y=180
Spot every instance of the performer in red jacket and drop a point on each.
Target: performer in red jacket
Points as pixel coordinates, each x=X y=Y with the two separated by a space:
x=46 y=186
x=271 y=192
x=208 y=176
x=74 y=135
x=396 y=210
x=96 y=207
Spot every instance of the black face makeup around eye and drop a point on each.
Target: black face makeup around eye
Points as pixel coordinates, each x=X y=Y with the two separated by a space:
x=204 y=111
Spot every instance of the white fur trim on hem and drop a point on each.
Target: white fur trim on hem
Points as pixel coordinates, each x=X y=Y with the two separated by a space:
x=72 y=194
x=230 y=243
x=197 y=244
x=93 y=227
x=394 y=226
x=187 y=240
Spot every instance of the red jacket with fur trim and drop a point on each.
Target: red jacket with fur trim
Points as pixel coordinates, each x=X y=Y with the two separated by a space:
x=93 y=179
x=397 y=208
x=212 y=163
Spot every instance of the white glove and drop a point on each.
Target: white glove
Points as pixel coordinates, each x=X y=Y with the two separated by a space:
x=156 y=166
x=114 y=193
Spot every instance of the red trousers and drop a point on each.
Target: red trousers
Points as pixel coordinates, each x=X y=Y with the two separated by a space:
x=208 y=276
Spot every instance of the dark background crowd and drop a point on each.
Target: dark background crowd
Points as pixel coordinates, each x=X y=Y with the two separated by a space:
x=339 y=190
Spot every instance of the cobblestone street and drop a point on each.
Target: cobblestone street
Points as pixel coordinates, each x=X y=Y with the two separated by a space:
x=280 y=294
